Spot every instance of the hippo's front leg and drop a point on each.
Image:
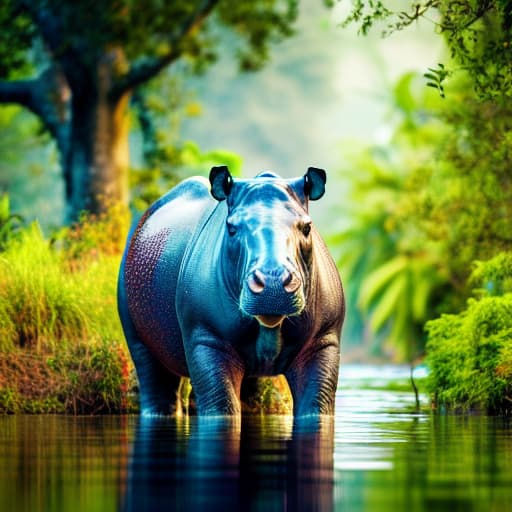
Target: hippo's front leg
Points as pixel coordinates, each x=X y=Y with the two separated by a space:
x=216 y=374
x=313 y=378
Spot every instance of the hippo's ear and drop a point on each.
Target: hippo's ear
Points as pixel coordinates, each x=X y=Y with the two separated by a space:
x=221 y=182
x=314 y=183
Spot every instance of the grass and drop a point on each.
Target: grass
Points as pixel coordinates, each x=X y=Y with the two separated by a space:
x=61 y=343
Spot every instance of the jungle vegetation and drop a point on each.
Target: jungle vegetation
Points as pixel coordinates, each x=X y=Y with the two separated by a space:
x=435 y=203
x=426 y=243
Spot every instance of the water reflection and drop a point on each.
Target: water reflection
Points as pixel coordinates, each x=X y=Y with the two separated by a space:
x=218 y=464
x=375 y=456
x=62 y=463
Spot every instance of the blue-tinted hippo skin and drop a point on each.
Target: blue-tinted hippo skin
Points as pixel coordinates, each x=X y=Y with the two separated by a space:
x=226 y=279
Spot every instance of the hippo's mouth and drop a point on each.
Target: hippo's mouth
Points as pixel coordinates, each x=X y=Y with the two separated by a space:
x=270 y=321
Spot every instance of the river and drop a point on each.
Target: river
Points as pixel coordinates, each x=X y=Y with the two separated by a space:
x=377 y=454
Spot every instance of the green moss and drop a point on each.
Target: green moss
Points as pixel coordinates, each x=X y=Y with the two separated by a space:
x=267 y=395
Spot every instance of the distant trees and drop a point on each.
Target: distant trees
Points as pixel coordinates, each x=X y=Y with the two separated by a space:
x=76 y=64
x=444 y=179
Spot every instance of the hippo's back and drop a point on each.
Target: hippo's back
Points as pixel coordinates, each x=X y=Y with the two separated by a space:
x=151 y=265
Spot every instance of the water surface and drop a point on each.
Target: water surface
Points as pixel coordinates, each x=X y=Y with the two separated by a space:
x=375 y=455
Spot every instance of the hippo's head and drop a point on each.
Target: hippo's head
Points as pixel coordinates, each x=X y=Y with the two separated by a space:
x=268 y=236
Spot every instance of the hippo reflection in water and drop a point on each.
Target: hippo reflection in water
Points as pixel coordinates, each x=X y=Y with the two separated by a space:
x=230 y=279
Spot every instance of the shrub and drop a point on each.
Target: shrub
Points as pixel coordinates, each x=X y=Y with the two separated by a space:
x=470 y=354
x=82 y=379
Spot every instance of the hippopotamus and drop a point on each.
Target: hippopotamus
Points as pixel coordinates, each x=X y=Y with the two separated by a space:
x=226 y=279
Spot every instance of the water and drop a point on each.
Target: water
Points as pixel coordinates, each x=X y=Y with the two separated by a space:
x=376 y=455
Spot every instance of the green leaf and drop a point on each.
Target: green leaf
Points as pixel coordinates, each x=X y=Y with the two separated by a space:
x=379 y=278
x=419 y=297
x=388 y=303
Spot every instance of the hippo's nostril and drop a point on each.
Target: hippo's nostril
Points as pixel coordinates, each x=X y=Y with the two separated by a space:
x=256 y=282
x=291 y=282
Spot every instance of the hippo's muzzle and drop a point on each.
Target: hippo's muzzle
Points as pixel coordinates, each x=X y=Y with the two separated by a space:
x=272 y=295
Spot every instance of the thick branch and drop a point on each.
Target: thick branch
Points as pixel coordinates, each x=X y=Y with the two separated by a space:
x=18 y=91
x=47 y=96
x=147 y=68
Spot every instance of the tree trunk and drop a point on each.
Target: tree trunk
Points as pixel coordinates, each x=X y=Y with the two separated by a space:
x=96 y=167
x=83 y=98
x=96 y=170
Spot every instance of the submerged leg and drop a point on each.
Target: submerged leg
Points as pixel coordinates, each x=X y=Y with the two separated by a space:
x=216 y=379
x=158 y=387
x=313 y=380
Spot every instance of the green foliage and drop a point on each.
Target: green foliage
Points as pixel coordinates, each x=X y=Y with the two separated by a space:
x=393 y=272
x=493 y=277
x=469 y=354
x=429 y=204
x=85 y=28
x=15 y=41
x=10 y=223
x=255 y=24
x=366 y=14
x=464 y=195
x=436 y=78
x=478 y=34
x=61 y=343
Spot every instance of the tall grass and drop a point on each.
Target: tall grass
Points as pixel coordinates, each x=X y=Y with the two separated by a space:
x=61 y=343
x=44 y=302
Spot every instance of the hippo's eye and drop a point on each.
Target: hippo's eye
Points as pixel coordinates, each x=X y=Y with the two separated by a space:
x=231 y=229
x=306 y=228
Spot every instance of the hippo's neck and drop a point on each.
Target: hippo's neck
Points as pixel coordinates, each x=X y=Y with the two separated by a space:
x=268 y=348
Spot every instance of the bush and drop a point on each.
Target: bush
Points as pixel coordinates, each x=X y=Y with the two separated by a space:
x=44 y=302
x=61 y=344
x=470 y=354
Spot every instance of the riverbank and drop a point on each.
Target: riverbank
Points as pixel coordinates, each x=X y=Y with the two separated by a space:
x=62 y=349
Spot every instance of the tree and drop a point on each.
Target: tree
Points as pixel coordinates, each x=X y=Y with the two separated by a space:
x=478 y=34
x=76 y=64
x=393 y=269
x=453 y=205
